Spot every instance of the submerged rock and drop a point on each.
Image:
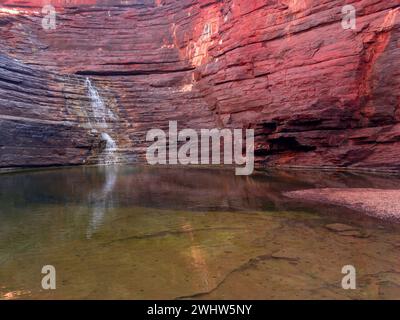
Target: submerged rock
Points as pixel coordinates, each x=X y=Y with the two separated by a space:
x=339 y=227
x=286 y=254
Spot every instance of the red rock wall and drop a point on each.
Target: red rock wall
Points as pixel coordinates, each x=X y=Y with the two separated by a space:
x=317 y=95
x=37 y=127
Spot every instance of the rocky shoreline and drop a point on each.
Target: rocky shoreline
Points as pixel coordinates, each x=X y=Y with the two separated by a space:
x=380 y=203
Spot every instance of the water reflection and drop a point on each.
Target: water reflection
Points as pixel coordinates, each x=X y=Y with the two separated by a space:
x=198 y=258
x=172 y=188
x=102 y=199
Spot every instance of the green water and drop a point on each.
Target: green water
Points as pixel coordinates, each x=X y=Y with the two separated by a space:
x=160 y=233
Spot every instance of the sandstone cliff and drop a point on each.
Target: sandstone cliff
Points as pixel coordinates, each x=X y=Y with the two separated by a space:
x=316 y=94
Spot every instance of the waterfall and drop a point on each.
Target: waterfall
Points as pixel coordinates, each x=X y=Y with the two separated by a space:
x=102 y=114
x=110 y=149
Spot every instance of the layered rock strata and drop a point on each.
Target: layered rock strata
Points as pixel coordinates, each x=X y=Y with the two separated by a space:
x=316 y=94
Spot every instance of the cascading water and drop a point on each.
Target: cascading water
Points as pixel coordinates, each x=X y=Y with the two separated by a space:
x=110 y=149
x=101 y=114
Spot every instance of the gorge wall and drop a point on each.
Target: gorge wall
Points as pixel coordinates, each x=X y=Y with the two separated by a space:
x=317 y=95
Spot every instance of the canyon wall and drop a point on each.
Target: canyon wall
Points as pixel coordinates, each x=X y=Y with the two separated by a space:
x=317 y=95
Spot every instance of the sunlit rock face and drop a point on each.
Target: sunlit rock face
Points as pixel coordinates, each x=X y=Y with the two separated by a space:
x=316 y=94
x=72 y=3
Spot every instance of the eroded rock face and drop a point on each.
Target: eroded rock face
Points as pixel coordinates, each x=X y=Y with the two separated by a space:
x=316 y=94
